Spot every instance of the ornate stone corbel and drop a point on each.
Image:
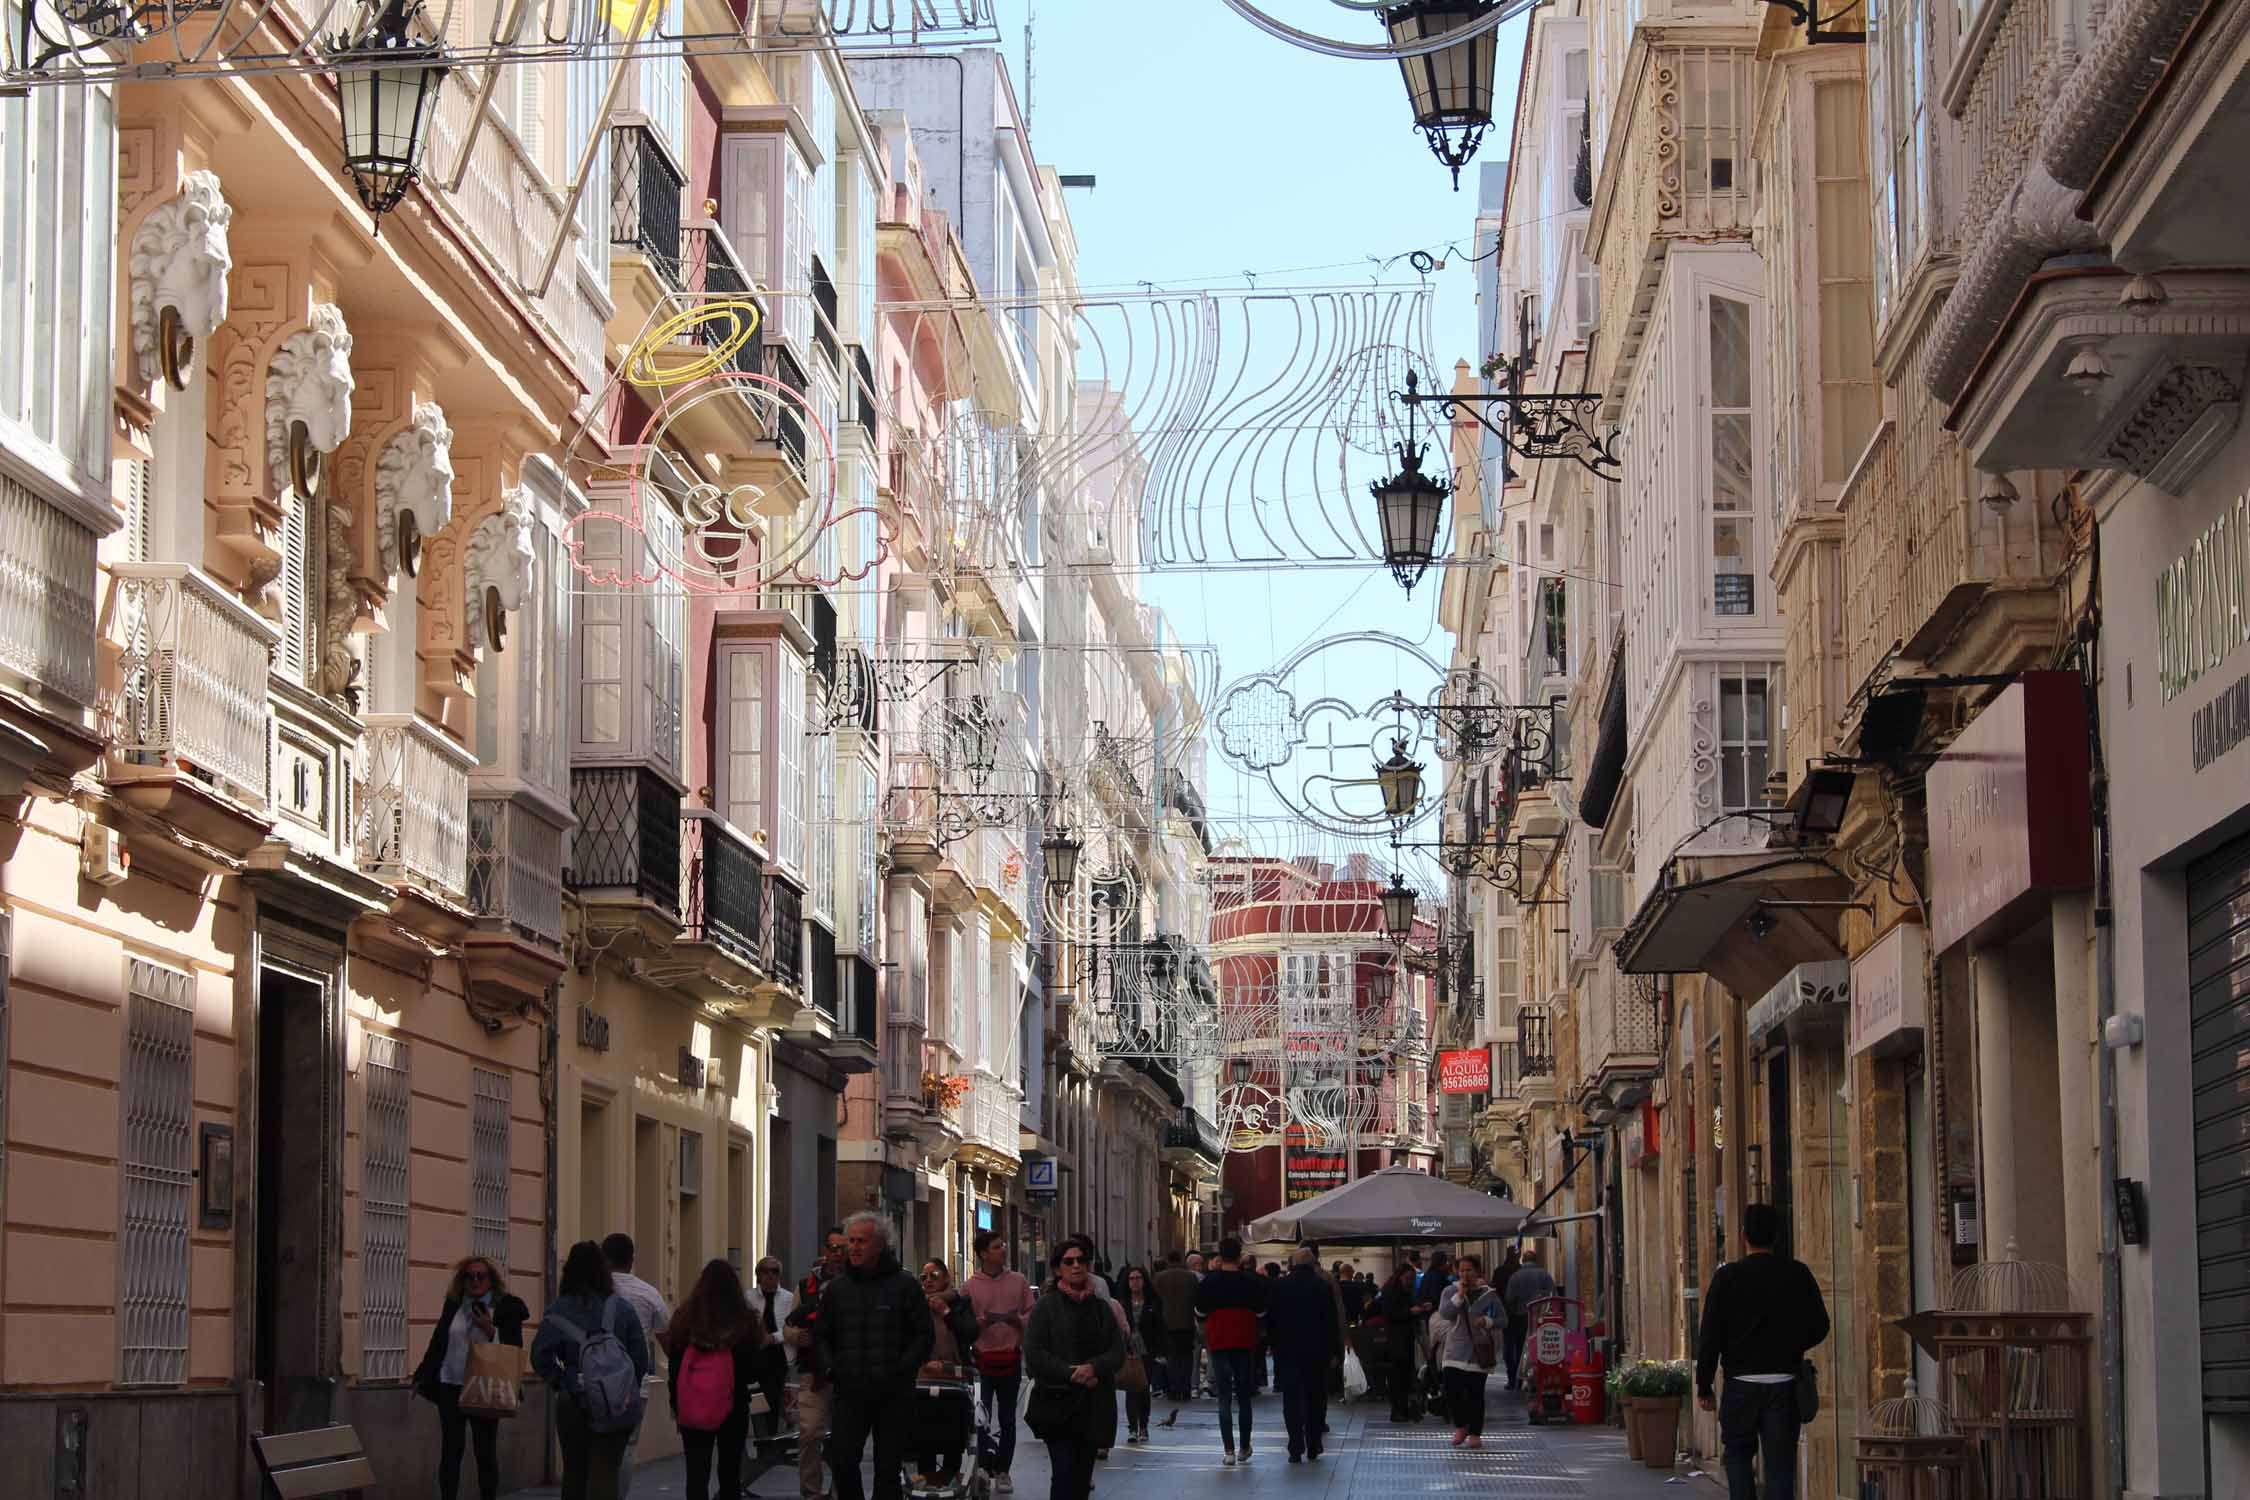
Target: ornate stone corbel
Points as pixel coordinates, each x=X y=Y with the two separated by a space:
x=179 y=272
x=308 y=401
x=496 y=568
x=413 y=489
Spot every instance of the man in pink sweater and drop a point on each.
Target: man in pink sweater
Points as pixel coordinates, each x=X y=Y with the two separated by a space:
x=1002 y=1300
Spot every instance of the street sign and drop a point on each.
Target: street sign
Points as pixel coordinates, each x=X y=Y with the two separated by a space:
x=1039 y=1175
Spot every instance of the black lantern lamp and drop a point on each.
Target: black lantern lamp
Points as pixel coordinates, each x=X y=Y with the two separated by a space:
x=1241 y=1070
x=1407 y=508
x=976 y=739
x=1381 y=984
x=387 y=82
x=1401 y=780
x=1398 y=909
x=1061 y=850
x=1450 y=86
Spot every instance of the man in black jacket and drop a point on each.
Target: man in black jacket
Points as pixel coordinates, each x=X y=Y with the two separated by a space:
x=1308 y=1342
x=1760 y=1316
x=1401 y=1324
x=874 y=1334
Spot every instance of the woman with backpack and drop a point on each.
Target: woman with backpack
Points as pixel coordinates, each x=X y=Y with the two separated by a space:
x=715 y=1346
x=478 y=1310
x=591 y=1352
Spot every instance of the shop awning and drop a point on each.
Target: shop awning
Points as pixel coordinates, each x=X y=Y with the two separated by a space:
x=1729 y=916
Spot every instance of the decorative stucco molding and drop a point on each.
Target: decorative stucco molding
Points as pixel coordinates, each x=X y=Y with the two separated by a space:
x=2038 y=220
x=2097 y=104
x=499 y=557
x=309 y=380
x=414 y=476
x=179 y=264
x=340 y=663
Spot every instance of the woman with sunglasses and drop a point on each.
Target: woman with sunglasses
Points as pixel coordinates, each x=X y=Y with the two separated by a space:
x=1073 y=1348
x=478 y=1310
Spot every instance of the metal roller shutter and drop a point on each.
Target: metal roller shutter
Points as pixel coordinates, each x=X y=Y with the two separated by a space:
x=2219 y=1018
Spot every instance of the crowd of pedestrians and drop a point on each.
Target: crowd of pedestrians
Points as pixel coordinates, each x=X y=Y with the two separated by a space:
x=845 y=1352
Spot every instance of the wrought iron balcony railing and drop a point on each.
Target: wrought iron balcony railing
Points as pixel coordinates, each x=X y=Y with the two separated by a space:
x=722 y=878
x=515 y=868
x=628 y=837
x=194 y=672
x=414 y=805
x=787 y=914
x=644 y=199
x=710 y=266
x=1191 y=1132
x=1535 y=1041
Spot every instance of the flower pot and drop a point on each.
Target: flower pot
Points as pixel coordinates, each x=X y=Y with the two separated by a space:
x=1658 y=1418
x=1632 y=1428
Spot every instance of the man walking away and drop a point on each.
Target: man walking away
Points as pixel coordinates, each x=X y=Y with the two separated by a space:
x=874 y=1336
x=1308 y=1342
x=771 y=1303
x=1529 y=1283
x=1762 y=1313
x=1175 y=1289
x=800 y=1332
x=1001 y=1299
x=1230 y=1300
x=1400 y=1324
x=647 y=1304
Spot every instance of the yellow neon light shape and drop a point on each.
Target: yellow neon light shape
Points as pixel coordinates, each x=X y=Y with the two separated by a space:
x=641 y=368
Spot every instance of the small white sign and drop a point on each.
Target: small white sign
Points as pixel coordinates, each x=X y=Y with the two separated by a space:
x=1039 y=1175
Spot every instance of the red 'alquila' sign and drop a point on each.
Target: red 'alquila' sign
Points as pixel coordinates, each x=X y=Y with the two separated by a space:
x=1465 y=1072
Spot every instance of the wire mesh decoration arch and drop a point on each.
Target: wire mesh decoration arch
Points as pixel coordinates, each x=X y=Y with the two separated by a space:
x=1272 y=25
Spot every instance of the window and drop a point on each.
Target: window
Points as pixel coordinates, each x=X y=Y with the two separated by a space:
x=528 y=684
x=767 y=210
x=1850 y=405
x=1745 y=738
x=1712 y=123
x=793 y=787
x=158 y=1120
x=763 y=786
x=743 y=761
x=631 y=635
x=1898 y=151
x=1733 y=524
x=586 y=81
x=821 y=879
x=383 y=1213
x=488 y=1165
x=58 y=161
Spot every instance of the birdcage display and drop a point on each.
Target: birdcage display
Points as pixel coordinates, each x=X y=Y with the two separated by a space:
x=2015 y=1385
x=1909 y=1449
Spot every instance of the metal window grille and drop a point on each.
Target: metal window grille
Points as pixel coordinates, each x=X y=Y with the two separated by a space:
x=159 y=1073
x=382 y=1213
x=488 y=1165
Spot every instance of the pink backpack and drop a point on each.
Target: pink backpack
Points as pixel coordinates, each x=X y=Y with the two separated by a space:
x=706 y=1388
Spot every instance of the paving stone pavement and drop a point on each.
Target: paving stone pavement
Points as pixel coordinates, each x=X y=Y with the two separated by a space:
x=1367 y=1458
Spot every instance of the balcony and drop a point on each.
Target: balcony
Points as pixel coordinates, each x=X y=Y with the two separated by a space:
x=645 y=221
x=190 y=723
x=989 y=1130
x=1619 y=1039
x=855 y=1048
x=1675 y=167
x=785 y=903
x=46 y=635
x=514 y=886
x=909 y=1111
x=1192 y=1144
x=414 y=824
x=625 y=855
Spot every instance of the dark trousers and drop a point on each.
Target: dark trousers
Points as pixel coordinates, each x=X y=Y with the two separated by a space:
x=1073 y=1462
x=1230 y=1378
x=773 y=1381
x=1179 y=1363
x=457 y=1429
x=727 y=1443
x=853 y=1415
x=1511 y=1345
x=1136 y=1410
x=590 y=1459
x=999 y=1397
x=1758 y=1429
x=1400 y=1373
x=1304 y=1400
x=1464 y=1398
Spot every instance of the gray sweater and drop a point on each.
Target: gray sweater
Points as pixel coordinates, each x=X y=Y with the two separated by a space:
x=1459 y=1349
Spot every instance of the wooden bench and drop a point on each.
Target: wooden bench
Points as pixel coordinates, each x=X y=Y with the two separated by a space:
x=311 y=1465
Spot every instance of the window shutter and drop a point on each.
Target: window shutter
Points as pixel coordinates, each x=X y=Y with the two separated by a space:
x=383 y=1204
x=792 y=791
x=136 y=480
x=601 y=628
x=158 y=1165
x=741 y=750
x=489 y=1124
x=663 y=634
x=296 y=591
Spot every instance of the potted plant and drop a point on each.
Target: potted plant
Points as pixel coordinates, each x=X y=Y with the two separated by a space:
x=1614 y=1385
x=1653 y=1390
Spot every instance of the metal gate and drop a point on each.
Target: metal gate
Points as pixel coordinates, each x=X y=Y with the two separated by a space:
x=2218 y=901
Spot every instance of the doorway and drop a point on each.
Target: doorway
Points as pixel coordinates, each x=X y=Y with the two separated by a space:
x=1780 y=1191
x=593 y=1167
x=299 y=1090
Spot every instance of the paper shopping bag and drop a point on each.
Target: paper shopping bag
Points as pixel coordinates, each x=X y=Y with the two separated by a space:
x=492 y=1385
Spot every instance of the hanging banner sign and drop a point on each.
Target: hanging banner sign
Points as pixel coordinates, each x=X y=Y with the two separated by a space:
x=1312 y=1172
x=1468 y=1071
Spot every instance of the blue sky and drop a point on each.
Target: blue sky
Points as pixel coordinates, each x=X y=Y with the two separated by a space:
x=1218 y=148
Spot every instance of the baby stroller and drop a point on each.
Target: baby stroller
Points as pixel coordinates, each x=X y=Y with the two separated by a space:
x=949 y=1425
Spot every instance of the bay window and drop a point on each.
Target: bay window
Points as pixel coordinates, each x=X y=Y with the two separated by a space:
x=630 y=637
x=1734 y=524
x=1746 y=725
x=766 y=206
x=1898 y=146
x=759 y=759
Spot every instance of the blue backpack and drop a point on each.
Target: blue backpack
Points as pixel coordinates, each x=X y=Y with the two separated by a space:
x=605 y=1384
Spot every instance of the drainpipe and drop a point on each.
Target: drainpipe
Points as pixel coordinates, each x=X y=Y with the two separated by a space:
x=2105 y=991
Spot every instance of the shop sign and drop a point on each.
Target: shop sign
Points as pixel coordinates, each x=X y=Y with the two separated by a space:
x=1467 y=1071
x=1802 y=989
x=1039 y=1179
x=691 y=1071
x=1891 y=992
x=2009 y=828
x=1313 y=1172
x=593 y=1029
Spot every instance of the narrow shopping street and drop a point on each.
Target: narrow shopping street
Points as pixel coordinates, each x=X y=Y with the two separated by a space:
x=1367 y=1459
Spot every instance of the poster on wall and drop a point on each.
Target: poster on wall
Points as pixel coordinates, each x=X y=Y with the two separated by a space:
x=1468 y=1071
x=1313 y=1171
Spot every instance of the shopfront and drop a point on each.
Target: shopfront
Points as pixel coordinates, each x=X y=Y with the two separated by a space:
x=2175 y=709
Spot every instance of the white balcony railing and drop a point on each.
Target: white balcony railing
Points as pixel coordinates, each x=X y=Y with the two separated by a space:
x=46 y=595
x=515 y=861
x=193 y=672
x=414 y=805
x=989 y=1114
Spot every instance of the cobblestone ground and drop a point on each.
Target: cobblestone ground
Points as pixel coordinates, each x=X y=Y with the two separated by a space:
x=1367 y=1459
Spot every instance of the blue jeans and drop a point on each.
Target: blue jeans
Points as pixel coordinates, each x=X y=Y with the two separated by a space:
x=1230 y=1380
x=1000 y=1391
x=1759 y=1421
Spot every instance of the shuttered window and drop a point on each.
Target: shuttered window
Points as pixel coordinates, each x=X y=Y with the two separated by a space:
x=2218 y=913
x=488 y=1165
x=158 y=1121
x=383 y=1213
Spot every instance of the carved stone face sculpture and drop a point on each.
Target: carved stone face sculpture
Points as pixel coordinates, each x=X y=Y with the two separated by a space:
x=498 y=568
x=179 y=268
x=308 y=399
x=413 y=488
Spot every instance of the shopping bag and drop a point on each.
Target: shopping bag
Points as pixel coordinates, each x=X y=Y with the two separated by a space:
x=492 y=1381
x=1355 y=1376
x=1132 y=1375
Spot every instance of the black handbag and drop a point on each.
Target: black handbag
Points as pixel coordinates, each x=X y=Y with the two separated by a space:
x=1807 y=1386
x=1053 y=1410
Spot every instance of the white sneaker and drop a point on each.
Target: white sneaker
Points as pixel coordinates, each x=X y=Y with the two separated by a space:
x=1228 y=1461
x=1003 y=1485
